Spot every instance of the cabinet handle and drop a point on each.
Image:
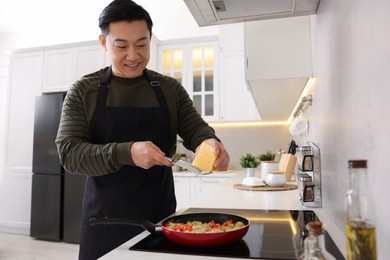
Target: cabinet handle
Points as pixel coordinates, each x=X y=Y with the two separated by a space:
x=211 y=181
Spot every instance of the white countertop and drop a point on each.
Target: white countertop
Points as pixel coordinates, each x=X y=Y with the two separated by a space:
x=224 y=196
x=224 y=174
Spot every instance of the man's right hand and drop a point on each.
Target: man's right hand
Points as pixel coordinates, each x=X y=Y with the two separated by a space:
x=146 y=155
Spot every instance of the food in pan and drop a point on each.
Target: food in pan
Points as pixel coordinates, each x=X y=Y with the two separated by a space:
x=210 y=227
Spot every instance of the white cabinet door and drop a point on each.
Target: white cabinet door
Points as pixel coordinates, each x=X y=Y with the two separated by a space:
x=278 y=48
x=200 y=185
x=25 y=81
x=57 y=70
x=187 y=189
x=235 y=99
x=62 y=67
x=87 y=60
x=182 y=191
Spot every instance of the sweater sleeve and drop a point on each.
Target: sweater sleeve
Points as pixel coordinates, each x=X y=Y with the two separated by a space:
x=77 y=154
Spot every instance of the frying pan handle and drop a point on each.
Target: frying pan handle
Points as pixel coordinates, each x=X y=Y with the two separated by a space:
x=146 y=224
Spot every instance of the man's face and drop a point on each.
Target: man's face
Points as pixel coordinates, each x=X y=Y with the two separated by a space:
x=128 y=47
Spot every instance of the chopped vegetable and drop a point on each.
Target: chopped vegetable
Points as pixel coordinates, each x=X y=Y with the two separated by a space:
x=210 y=227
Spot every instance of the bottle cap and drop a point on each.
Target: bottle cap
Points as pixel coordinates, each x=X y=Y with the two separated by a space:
x=357 y=163
x=315 y=227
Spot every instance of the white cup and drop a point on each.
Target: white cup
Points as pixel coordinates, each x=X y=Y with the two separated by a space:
x=299 y=125
x=267 y=166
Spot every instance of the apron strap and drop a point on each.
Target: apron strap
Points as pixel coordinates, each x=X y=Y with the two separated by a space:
x=102 y=92
x=161 y=99
x=157 y=90
x=106 y=78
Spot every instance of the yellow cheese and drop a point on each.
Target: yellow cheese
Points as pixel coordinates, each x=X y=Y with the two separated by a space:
x=205 y=158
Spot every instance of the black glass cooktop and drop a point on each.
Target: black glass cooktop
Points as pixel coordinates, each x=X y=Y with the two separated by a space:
x=272 y=234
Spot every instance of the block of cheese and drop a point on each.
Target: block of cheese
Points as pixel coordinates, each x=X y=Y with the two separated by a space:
x=205 y=158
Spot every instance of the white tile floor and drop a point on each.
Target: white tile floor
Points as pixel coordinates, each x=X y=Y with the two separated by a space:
x=22 y=247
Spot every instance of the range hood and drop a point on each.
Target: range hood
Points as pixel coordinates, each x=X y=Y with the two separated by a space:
x=214 y=12
x=278 y=64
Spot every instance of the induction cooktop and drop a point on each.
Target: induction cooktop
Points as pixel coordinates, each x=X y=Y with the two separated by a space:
x=273 y=234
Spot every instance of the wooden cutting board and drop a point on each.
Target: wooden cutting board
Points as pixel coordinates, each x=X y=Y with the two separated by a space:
x=287 y=186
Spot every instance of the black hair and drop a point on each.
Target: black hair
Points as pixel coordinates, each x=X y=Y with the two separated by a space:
x=123 y=10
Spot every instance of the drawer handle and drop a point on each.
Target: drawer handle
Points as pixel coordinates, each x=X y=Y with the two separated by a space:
x=210 y=181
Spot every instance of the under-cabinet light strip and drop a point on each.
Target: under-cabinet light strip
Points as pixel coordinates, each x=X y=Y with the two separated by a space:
x=305 y=92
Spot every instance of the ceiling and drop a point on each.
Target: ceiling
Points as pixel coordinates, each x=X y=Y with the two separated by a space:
x=75 y=20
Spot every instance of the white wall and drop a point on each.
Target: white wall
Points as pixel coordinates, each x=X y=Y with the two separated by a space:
x=73 y=21
x=349 y=118
x=252 y=139
x=3 y=98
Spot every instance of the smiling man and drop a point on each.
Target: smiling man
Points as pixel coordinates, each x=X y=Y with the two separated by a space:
x=117 y=126
x=127 y=45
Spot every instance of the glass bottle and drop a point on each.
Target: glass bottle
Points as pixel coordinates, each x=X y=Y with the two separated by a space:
x=310 y=247
x=314 y=244
x=360 y=228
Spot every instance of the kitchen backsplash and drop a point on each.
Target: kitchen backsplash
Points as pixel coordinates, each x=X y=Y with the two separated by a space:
x=252 y=139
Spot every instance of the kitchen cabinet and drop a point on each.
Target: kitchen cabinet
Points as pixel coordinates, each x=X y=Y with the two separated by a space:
x=278 y=64
x=236 y=102
x=204 y=184
x=189 y=187
x=231 y=100
x=31 y=73
x=58 y=68
x=182 y=191
x=63 y=66
x=195 y=65
x=25 y=81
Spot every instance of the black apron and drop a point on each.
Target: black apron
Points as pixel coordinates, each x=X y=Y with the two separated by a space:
x=132 y=192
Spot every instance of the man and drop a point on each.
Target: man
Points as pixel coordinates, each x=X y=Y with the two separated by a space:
x=117 y=126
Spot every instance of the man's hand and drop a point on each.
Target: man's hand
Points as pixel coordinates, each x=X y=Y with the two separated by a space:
x=146 y=155
x=222 y=161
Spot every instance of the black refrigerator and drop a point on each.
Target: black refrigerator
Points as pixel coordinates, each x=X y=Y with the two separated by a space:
x=56 y=199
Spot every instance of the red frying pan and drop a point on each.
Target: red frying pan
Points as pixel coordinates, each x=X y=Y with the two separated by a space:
x=186 y=238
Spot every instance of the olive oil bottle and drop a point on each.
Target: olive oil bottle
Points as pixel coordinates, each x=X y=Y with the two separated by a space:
x=360 y=228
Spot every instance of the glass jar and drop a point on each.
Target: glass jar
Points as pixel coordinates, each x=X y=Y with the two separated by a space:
x=275 y=179
x=360 y=228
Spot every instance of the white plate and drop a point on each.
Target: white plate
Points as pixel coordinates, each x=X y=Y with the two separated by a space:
x=252 y=182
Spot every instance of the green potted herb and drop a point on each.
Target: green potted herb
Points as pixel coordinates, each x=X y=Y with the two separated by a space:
x=267 y=164
x=265 y=156
x=249 y=162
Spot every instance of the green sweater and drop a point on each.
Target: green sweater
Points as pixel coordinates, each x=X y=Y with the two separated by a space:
x=79 y=156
